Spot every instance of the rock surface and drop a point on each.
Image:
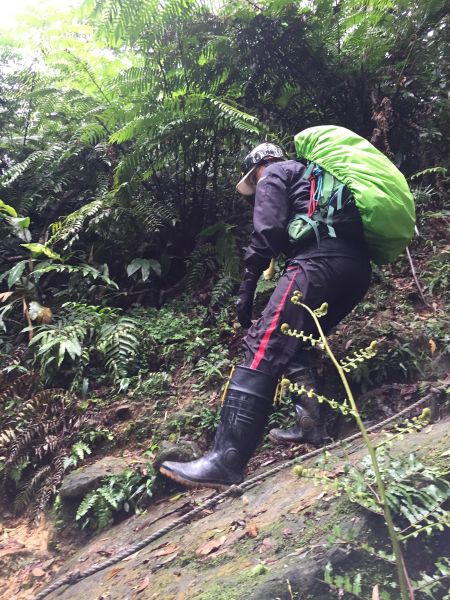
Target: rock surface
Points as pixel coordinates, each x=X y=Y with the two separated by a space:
x=81 y=481
x=182 y=451
x=271 y=543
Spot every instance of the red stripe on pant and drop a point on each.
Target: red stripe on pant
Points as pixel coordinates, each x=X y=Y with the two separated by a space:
x=273 y=324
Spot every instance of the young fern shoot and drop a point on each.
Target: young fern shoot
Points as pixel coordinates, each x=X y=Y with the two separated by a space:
x=343 y=367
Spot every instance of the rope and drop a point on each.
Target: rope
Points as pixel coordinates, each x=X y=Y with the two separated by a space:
x=234 y=490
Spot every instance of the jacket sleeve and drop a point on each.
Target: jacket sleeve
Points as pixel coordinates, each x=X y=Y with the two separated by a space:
x=270 y=219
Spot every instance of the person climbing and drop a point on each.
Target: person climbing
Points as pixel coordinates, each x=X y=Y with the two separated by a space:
x=327 y=261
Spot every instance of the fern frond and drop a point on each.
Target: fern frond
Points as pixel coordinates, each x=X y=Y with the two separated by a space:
x=154 y=214
x=222 y=290
x=28 y=489
x=86 y=504
x=67 y=230
x=20 y=387
x=119 y=342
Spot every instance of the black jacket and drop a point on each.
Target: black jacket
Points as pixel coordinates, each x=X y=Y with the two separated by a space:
x=280 y=194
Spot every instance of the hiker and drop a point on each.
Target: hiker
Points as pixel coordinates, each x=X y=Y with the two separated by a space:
x=327 y=261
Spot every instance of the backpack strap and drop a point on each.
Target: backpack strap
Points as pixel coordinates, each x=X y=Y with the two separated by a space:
x=339 y=197
x=322 y=189
x=328 y=185
x=330 y=213
x=314 y=225
x=309 y=170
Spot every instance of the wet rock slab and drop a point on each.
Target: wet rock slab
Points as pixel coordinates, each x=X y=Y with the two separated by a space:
x=269 y=543
x=78 y=483
x=182 y=451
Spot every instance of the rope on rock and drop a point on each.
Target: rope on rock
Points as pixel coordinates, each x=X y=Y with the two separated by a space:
x=234 y=490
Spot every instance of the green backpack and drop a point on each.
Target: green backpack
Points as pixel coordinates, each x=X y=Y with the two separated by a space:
x=380 y=191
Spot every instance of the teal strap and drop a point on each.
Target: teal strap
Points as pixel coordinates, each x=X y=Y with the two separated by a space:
x=309 y=170
x=313 y=225
x=328 y=184
x=331 y=231
x=339 y=197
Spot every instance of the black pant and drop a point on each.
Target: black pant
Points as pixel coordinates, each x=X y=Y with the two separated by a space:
x=341 y=281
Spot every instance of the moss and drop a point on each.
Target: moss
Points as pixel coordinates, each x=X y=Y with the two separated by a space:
x=236 y=588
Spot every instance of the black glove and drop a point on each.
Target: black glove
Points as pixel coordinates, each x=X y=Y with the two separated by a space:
x=246 y=293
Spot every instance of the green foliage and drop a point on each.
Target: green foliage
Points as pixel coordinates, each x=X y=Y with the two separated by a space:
x=37 y=431
x=429 y=171
x=415 y=492
x=152 y=383
x=283 y=413
x=78 y=452
x=436 y=583
x=212 y=368
x=178 y=333
x=119 y=342
x=123 y=492
x=207 y=420
x=386 y=497
x=123 y=126
x=345 y=582
x=83 y=334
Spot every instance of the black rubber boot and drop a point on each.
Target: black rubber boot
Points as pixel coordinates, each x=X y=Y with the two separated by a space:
x=310 y=423
x=243 y=419
x=308 y=430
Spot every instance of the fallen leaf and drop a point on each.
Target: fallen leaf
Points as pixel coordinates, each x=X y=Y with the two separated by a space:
x=38 y=572
x=304 y=504
x=433 y=346
x=169 y=549
x=169 y=560
x=176 y=497
x=375 y=593
x=210 y=546
x=267 y=462
x=252 y=529
x=143 y=585
x=266 y=545
x=339 y=470
x=114 y=572
x=48 y=563
x=348 y=344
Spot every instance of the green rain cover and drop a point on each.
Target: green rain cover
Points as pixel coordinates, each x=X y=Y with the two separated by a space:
x=381 y=193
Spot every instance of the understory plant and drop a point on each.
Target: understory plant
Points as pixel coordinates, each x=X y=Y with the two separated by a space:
x=83 y=335
x=374 y=477
x=35 y=441
x=125 y=491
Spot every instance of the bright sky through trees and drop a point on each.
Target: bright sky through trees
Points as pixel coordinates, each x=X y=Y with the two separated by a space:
x=11 y=11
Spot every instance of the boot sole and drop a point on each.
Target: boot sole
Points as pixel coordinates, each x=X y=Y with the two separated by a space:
x=194 y=484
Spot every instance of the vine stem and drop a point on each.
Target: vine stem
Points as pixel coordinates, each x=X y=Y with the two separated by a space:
x=406 y=590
